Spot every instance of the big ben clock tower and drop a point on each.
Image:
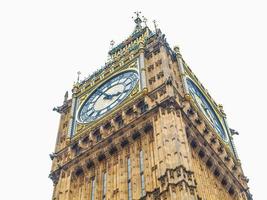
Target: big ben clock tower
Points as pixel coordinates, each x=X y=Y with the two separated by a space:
x=144 y=127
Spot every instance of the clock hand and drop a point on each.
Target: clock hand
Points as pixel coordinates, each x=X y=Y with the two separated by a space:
x=118 y=93
x=106 y=96
x=110 y=96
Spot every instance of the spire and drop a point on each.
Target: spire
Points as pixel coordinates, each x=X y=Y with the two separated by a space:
x=155 y=25
x=157 y=30
x=144 y=20
x=78 y=77
x=137 y=21
x=177 y=51
x=139 y=30
x=66 y=97
x=112 y=42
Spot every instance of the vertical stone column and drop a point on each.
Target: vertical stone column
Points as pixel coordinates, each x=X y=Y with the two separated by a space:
x=159 y=144
x=148 y=162
x=174 y=146
x=185 y=151
x=136 y=172
x=72 y=122
x=165 y=63
x=142 y=70
x=152 y=160
x=121 y=175
x=98 y=182
x=56 y=190
x=116 y=174
x=168 y=74
x=173 y=154
x=181 y=69
x=69 y=185
x=81 y=187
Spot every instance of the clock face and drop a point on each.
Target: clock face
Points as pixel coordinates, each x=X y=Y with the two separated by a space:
x=205 y=107
x=107 y=96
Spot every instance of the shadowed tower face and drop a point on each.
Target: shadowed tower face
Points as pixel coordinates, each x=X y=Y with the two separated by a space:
x=144 y=127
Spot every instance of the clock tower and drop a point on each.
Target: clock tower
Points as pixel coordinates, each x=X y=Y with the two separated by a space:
x=144 y=127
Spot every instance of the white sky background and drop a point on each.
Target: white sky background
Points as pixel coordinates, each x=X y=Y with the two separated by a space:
x=44 y=43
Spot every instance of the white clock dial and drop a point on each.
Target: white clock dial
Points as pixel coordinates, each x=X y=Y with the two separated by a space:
x=206 y=108
x=107 y=96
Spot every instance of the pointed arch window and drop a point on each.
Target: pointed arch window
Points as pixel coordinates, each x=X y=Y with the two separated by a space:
x=141 y=166
x=104 y=185
x=93 y=186
x=129 y=181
